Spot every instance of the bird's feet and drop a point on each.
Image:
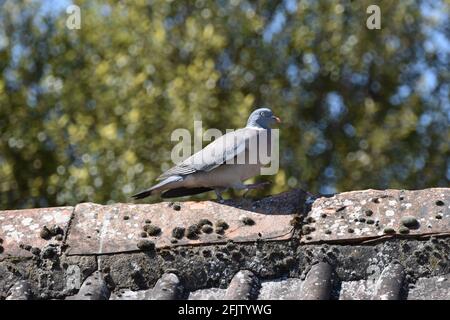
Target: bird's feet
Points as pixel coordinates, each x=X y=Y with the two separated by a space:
x=219 y=195
x=257 y=185
x=253 y=186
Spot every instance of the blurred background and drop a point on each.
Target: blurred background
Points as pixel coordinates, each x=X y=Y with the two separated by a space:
x=86 y=115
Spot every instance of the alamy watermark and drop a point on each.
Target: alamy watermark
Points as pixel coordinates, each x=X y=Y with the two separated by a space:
x=259 y=147
x=73 y=21
x=374 y=20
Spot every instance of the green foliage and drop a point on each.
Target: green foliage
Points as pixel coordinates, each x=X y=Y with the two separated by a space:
x=86 y=115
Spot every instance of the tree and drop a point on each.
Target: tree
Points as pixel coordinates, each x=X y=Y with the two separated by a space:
x=86 y=115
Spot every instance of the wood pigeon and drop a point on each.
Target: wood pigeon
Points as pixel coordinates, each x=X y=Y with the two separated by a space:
x=224 y=163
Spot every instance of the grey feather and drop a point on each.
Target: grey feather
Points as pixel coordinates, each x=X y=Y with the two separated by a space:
x=221 y=150
x=163 y=183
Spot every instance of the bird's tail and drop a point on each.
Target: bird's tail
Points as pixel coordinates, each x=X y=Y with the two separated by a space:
x=142 y=195
x=182 y=191
x=157 y=187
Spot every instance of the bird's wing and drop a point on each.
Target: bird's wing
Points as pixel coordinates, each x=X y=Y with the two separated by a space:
x=214 y=154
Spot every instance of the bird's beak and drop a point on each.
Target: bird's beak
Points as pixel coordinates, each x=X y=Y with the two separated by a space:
x=278 y=120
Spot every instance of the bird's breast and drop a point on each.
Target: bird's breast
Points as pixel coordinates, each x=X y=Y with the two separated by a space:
x=225 y=175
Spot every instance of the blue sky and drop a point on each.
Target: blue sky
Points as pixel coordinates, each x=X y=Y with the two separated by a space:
x=53 y=6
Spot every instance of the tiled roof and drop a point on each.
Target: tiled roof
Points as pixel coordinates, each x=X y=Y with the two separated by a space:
x=371 y=244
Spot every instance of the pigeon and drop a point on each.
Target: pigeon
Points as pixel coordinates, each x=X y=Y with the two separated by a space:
x=224 y=163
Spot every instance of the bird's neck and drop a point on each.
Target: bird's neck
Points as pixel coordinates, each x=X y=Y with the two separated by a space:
x=254 y=125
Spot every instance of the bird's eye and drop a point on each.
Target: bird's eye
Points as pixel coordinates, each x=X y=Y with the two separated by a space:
x=263 y=114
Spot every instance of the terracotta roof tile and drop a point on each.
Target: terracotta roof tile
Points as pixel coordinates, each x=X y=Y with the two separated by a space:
x=287 y=246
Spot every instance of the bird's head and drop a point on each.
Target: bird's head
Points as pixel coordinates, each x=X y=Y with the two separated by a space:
x=262 y=118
